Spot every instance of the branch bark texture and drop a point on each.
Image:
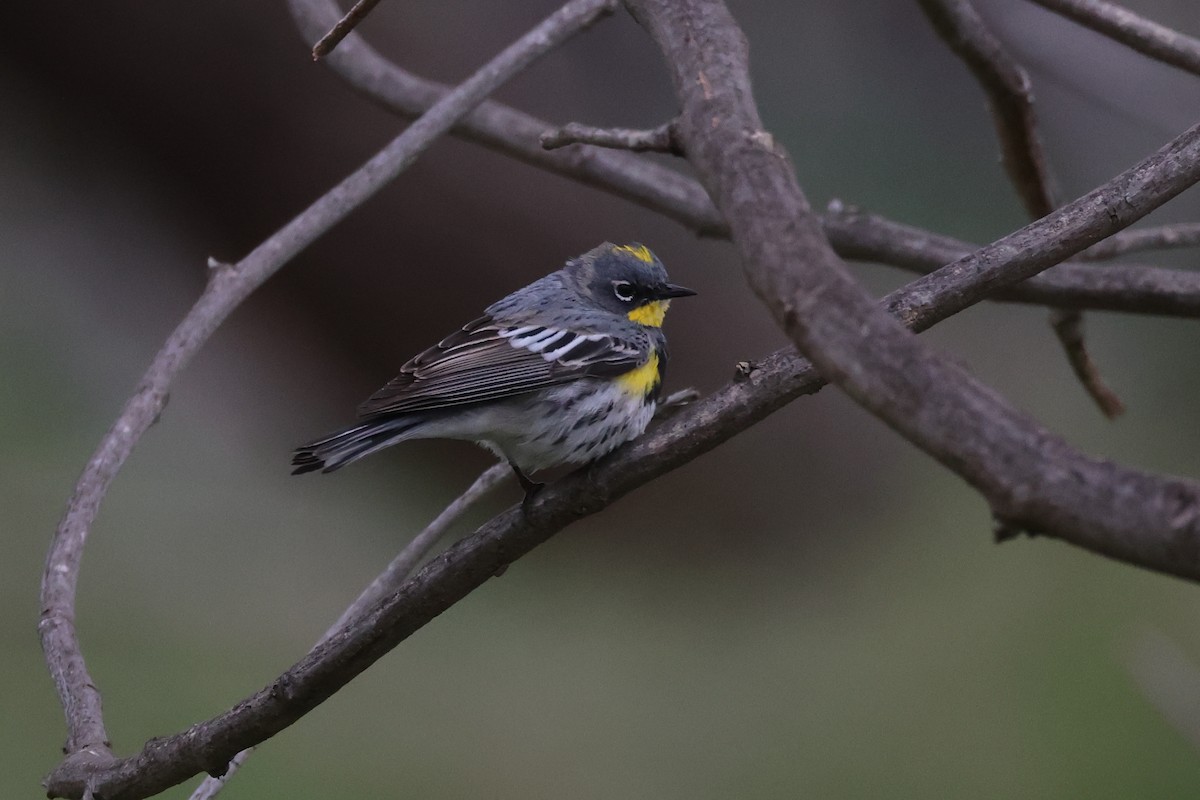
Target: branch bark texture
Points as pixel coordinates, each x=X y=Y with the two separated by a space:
x=1032 y=479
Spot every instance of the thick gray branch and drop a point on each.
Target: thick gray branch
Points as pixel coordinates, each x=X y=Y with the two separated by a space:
x=1033 y=480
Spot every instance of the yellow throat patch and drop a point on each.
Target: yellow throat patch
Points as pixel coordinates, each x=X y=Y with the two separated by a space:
x=643 y=380
x=651 y=315
x=640 y=252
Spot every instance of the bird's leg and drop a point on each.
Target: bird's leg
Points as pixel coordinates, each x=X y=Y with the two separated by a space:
x=530 y=486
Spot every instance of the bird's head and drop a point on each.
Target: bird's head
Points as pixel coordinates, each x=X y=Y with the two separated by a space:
x=628 y=280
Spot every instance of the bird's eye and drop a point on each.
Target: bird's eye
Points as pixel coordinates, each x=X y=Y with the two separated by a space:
x=623 y=290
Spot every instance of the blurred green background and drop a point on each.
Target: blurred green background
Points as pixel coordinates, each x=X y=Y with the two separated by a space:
x=813 y=609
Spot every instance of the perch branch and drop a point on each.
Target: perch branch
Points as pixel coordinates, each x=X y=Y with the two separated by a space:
x=87 y=741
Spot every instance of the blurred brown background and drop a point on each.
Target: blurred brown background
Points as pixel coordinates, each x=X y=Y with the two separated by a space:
x=814 y=608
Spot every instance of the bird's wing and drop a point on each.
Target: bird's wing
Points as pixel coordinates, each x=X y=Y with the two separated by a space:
x=486 y=360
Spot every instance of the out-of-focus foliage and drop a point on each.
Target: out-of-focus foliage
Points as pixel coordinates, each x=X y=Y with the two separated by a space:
x=813 y=608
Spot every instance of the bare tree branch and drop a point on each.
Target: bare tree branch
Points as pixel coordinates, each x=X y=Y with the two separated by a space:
x=658 y=140
x=87 y=742
x=1068 y=326
x=330 y=40
x=513 y=132
x=1122 y=25
x=1134 y=289
x=1009 y=95
x=667 y=192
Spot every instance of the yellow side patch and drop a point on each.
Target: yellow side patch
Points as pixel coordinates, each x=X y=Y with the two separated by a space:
x=639 y=251
x=651 y=315
x=643 y=380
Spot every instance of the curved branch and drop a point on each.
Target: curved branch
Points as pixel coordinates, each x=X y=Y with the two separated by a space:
x=228 y=285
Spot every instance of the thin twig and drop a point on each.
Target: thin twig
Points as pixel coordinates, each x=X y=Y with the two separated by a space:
x=87 y=740
x=330 y=40
x=386 y=583
x=657 y=140
x=1161 y=237
x=1138 y=33
x=1010 y=96
x=1068 y=327
x=1118 y=287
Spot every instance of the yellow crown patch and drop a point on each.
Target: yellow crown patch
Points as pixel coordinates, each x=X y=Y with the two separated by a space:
x=638 y=251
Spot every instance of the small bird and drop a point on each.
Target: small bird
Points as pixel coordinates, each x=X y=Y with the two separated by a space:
x=562 y=371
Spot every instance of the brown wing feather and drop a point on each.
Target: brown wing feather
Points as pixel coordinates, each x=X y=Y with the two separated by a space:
x=480 y=362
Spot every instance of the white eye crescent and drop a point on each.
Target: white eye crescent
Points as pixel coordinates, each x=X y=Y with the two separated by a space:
x=623 y=290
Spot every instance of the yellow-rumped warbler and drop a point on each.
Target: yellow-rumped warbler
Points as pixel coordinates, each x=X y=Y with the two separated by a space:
x=562 y=371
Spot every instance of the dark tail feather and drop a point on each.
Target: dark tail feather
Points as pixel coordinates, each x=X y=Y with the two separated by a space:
x=338 y=450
